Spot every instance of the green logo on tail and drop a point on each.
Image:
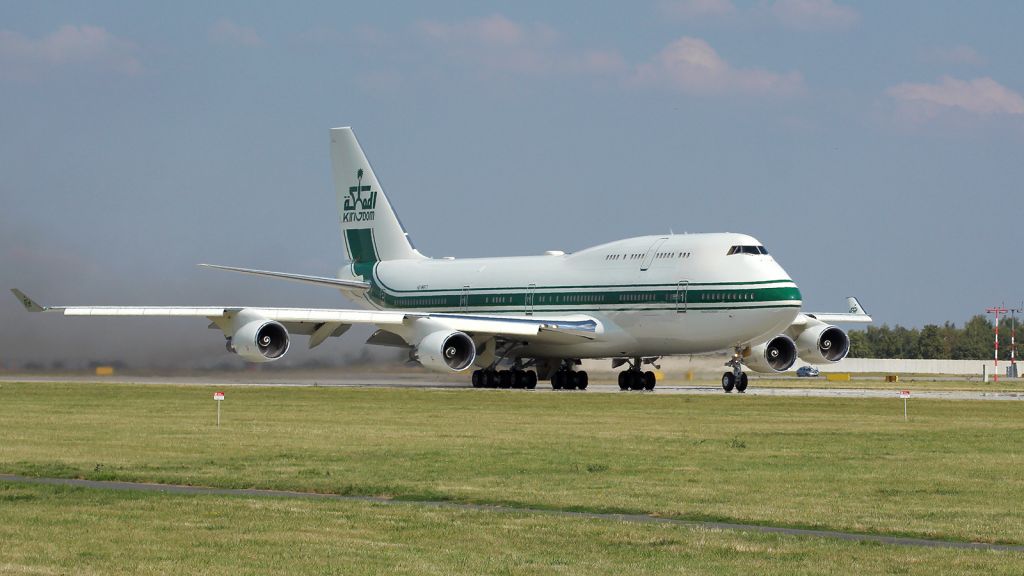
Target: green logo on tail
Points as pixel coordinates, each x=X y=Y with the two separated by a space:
x=360 y=202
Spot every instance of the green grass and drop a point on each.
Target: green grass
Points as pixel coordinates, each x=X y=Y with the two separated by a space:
x=48 y=529
x=953 y=471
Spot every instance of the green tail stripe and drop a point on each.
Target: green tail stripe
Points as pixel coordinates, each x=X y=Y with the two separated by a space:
x=361 y=249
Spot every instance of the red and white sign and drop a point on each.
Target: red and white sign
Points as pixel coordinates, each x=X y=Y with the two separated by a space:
x=903 y=394
x=218 y=395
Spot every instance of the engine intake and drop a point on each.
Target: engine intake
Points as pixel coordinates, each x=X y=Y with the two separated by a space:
x=446 y=351
x=258 y=339
x=775 y=355
x=823 y=344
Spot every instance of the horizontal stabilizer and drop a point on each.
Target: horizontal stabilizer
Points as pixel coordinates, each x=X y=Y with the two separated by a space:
x=315 y=280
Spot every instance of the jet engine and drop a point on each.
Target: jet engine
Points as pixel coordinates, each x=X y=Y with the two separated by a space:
x=823 y=343
x=775 y=355
x=446 y=351
x=257 y=339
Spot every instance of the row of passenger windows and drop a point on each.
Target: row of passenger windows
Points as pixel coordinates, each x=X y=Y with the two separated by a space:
x=747 y=250
x=725 y=296
x=639 y=256
x=427 y=301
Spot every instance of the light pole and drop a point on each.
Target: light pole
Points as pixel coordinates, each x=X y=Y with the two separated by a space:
x=997 y=311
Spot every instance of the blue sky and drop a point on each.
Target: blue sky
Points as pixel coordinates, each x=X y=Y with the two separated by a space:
x=875 y=148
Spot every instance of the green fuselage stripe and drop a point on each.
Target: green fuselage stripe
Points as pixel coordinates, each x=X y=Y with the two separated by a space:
x=693 y=297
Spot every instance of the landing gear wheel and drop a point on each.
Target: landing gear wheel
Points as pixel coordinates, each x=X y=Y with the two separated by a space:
x=476 y=379
x=518 y=379
x=489 y=379
x=504 y=379
x=623 y=380
x=649 y=380
x=741 y=384
x=636 y=380
x=728 y=381
x=556 y=380
x=531 y=380
x=582 y=379
x=569 y=383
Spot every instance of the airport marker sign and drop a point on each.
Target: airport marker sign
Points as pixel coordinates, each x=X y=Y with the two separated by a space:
x=904 y=394
x=218 y=396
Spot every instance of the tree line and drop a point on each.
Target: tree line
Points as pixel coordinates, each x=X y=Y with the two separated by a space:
x=972 y=342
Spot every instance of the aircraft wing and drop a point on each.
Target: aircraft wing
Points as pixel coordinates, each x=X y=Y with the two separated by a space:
x=321 y=323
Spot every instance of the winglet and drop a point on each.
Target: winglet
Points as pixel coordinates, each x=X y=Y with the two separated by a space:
x=29 y=304
x=854 y=307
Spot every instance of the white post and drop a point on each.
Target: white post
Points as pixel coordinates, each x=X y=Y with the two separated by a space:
x=904 y=409
x=218 y=414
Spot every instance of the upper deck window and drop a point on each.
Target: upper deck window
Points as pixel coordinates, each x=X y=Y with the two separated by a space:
x=747 y=250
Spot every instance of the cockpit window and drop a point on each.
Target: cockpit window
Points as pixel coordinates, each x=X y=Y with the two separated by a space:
x=747 y=250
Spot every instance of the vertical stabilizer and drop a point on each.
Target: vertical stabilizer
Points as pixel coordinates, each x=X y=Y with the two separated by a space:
x=369 y=226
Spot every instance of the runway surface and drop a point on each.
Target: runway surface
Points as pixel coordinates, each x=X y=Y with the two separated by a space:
x=429 y=381
x=640 y=518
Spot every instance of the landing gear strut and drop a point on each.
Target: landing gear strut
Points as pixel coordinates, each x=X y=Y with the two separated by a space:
x=737 y=378
x=635 y=378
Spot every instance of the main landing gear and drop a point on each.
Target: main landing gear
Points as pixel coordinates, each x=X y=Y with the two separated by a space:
x=737 y=378
x=635 y=378
x=566 y=378
x=515 y=378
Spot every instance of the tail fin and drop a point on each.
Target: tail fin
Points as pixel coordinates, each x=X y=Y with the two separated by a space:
x=369 y=226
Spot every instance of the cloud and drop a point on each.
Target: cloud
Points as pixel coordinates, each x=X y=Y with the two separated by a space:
x=228 y=32
x=691 y=66
x=498 y=44
x=696 y=9
x=982 y=96
x=814 y=14
x=81 y=47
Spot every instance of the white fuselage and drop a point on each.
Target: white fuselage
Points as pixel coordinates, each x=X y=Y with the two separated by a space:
x=652 y=295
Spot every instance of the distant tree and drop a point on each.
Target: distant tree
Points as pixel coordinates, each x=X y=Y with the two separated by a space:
x=931 y=344
x=975 y=340
x=860 y=346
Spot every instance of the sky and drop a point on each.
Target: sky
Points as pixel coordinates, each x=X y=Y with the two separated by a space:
x=875 y=148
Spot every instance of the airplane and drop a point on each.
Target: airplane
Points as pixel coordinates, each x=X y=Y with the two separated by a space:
x=517 y=320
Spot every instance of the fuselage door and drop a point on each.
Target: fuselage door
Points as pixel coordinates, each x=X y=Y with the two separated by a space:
x=464 y=299
x=529 y=299
x=651 y=253
x=681 y=288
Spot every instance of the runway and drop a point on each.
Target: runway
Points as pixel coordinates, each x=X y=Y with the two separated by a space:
x=431 y=381
x=638 y=518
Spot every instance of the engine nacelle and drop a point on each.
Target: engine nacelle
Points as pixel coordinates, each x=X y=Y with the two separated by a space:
x=257 y=339
x=775 y=355
x=446 y=351
x=823 y=343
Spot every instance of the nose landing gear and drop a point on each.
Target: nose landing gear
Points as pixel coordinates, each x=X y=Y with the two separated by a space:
x=737 y=378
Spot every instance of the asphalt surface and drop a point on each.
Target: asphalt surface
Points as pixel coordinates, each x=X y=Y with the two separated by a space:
x=430 y=381
x=638 y=518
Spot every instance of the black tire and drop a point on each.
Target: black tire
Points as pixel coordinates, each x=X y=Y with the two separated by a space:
x=518 y=379
x=636 y=380
x=476 y=378
x=650 y=380
x=570 y=380
x=531 y=380
x=624 y=380
x=504 y=379
x=582 y=380
x=556 y=380
x=741 y=384
x=489 y=379
x=728 y=381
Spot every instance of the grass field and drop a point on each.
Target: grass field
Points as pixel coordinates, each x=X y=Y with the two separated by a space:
x=75 y=531
x=954 y=471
